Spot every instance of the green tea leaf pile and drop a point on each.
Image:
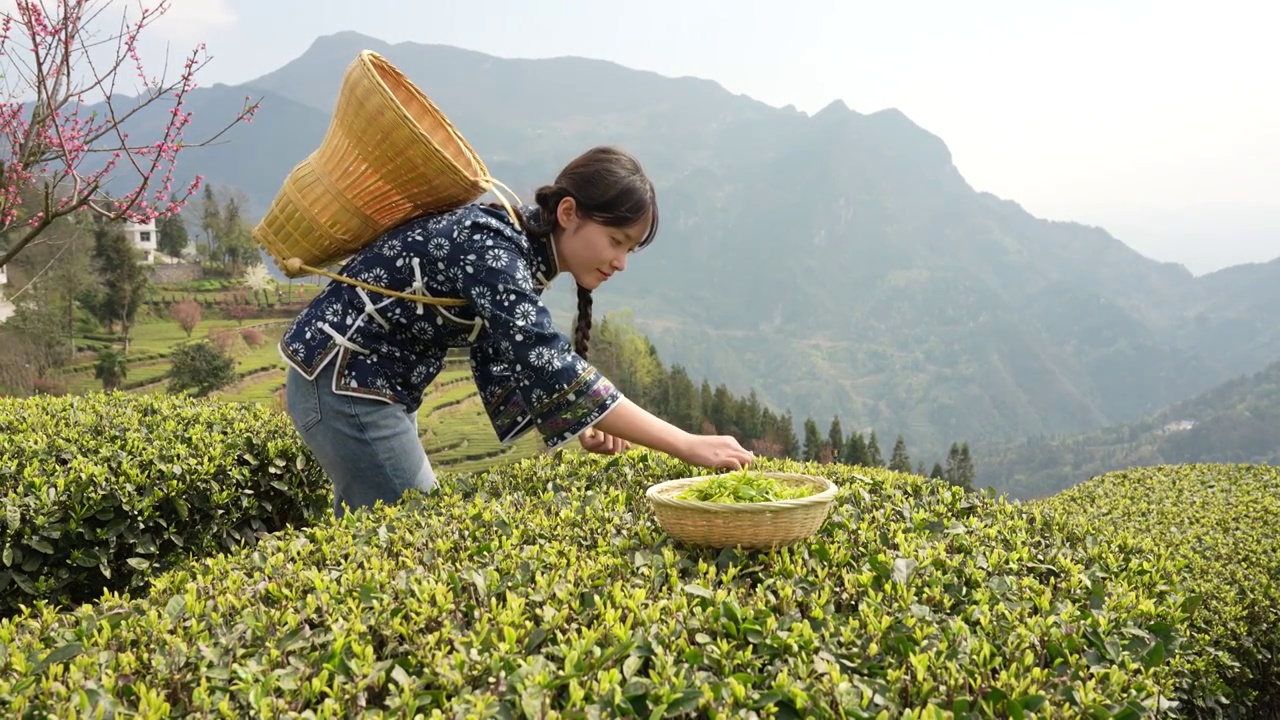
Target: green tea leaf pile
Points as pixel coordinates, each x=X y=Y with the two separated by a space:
x=743 y=486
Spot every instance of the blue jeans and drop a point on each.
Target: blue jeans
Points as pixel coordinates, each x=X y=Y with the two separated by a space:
x=369 y=449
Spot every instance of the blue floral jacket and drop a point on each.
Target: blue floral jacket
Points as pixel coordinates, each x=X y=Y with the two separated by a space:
x=391 y=349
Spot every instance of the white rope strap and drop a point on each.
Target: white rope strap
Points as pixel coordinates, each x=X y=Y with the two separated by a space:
x=344 y=342
x=372 y=310
x=418 y=288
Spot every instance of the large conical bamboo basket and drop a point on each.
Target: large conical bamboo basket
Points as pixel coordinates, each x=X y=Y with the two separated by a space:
x=389 y=155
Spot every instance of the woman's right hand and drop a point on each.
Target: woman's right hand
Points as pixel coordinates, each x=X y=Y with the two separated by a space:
x=722 y=452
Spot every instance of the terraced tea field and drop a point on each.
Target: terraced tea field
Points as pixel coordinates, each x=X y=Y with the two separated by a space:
x=454 y=428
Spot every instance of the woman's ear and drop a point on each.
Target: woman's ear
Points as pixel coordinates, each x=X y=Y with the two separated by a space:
x=567 y=213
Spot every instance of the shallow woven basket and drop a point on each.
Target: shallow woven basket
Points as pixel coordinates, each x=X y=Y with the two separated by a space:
x=757 y=526
x=389 y=154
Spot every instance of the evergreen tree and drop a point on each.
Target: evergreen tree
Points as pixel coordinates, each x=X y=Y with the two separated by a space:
x=722 y=412
x=124 y=279
x=751 y=416
x=684 y=402
x=953 y=465
x=707 y=402
x=835 y=437
x=855 y=451
x=874 y=458
x=235 y=240
x=899 y=461
x=937 y=473
x=965 y=472
x=812 y=441
x=173 y=234
x=210 y=221
x=787 y=436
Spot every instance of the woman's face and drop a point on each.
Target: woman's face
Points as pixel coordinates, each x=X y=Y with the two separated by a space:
x=592 y=252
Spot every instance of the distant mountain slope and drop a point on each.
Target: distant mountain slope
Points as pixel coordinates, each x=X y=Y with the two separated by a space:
x=839 y=263
x=1238 y=421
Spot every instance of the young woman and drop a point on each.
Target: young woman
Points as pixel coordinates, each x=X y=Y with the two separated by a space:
x=359 y=361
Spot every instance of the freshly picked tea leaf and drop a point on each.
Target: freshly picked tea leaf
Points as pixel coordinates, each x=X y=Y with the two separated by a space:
x=745 y=486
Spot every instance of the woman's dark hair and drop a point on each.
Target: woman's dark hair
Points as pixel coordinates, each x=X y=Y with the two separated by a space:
x=609 y=187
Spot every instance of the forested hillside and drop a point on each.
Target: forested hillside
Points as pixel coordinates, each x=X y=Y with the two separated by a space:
x=1238 y=421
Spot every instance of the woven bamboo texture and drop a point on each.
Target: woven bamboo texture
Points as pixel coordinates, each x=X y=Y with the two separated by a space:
x=389 y=155
x=756 y=526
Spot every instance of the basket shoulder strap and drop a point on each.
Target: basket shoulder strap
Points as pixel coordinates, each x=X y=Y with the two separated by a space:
x=296 y=266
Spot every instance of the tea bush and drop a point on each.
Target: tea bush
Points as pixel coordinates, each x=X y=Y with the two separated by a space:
x=102 y=491
x=1222 y=523
x=546 y=587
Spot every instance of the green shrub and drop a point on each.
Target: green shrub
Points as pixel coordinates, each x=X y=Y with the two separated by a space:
x=200 y=367
x=1222 y=523
x=102 y=491
x=547 y=585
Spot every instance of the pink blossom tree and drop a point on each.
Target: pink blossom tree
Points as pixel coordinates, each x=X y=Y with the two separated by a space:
x=187 y=315
x=54 y=72
x=766 y=447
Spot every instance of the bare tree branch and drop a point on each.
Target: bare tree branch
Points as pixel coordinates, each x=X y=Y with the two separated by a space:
x=31 y=283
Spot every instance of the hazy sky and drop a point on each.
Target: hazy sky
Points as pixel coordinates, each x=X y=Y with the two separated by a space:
x=1158 y=120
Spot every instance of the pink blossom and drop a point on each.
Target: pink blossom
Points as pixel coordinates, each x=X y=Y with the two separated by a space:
x=51 y=147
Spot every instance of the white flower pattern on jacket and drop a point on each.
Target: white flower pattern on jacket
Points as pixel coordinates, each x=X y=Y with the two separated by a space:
x=391 y=349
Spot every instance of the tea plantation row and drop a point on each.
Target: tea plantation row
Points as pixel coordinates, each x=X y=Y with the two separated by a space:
x=103 y=491
x=546 y=588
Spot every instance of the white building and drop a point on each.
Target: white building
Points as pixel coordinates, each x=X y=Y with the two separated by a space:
x=144 y=238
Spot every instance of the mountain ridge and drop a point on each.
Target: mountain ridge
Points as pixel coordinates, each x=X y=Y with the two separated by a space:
x=839 y=262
